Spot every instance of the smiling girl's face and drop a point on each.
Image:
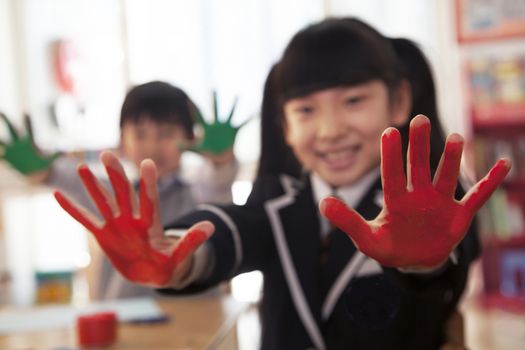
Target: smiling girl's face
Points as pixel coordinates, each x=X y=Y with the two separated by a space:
x=336 y=132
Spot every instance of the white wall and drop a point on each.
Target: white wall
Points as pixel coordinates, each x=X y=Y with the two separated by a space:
x=447 y=68
x=9 y=103
x=93 y=26
x=9 y=100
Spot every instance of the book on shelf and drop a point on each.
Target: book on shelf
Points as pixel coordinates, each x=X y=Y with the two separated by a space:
x=496 y=89
x=503 y=215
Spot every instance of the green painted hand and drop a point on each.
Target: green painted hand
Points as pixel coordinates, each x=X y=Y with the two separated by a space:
x=218 y=136
x=21 y=152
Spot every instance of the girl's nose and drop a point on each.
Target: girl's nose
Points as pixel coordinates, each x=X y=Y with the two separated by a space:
x=331 y=127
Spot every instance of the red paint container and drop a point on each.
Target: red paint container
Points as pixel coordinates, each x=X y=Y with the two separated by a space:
x=97 y=330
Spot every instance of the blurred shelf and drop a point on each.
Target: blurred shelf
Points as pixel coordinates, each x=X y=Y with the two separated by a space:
x=515 y=185
x=499 y=115
x=516 y=241
x=498 y=301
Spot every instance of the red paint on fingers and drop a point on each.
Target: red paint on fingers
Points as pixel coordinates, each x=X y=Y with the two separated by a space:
x=419 y=152
x=446 y=177
x=393 y=174
x=72 y=210
x=122 y=191
x=146 y=205
x=187 y=246
x=348 y=220
x=94 y=191
x=482 y=191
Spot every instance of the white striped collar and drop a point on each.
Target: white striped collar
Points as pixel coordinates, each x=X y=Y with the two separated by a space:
x=306 y=316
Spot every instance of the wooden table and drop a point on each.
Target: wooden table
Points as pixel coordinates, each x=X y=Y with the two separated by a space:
x=195 y=323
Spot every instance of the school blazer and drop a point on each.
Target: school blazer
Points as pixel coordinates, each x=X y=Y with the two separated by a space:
x=347 y=302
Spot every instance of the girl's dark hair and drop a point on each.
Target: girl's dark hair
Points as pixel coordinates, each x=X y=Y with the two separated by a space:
x=342 y=52
x=276 y=156
x=160 y=102
x=336 y=52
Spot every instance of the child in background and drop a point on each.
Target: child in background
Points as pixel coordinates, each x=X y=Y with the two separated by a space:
x=332 y=101
x=157 y=122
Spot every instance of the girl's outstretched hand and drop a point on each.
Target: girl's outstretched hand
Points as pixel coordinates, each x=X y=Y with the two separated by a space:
x=132 y=235
x=421 y=222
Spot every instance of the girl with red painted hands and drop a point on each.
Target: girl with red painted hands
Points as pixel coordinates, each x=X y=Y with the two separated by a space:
x=335 y=121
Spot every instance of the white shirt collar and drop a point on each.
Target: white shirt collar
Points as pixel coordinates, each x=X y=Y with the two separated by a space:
x=167 y=180
x=351 y=195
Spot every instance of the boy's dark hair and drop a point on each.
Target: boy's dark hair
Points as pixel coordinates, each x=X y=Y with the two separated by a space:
x=160 y=102
x=342 y=52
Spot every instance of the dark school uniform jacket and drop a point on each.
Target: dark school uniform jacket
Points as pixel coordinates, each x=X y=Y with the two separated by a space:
x=347 y=302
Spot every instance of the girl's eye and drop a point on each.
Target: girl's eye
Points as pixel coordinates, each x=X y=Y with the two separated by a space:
x=164 y=134
x=304 y=110
x=353 y=100
x=171 y=132
x=167 y=134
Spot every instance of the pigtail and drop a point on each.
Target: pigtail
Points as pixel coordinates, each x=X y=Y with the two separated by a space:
x=276 y=156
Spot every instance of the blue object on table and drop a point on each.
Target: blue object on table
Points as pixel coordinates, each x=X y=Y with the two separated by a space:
x=150 y=320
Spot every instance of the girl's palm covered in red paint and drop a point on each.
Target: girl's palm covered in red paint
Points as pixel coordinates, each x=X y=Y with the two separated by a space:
x=135 y=244
x=421 y=222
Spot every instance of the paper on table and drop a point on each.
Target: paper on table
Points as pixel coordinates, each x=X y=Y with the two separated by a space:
x=60 y=316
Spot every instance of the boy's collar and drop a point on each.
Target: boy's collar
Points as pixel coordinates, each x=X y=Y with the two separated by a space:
x=351 y=195
x=168 y=180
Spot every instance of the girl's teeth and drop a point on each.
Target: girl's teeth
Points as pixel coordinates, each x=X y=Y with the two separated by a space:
x=336 y=155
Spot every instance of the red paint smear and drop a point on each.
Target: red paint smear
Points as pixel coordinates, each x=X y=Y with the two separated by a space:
x=448 y=171
x=392 y=168
x=419 y=152
x=188 y=244
x=121 y=187
x=146 y=206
